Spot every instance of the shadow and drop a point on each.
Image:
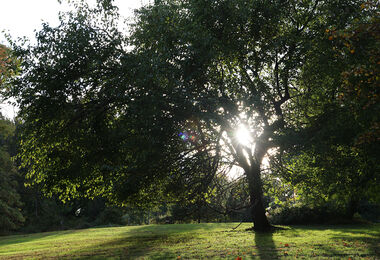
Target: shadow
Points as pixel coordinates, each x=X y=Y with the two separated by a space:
x=340 y=241
x=179 y=228
x=265 y=245
x=150 y=241
x=31 y=246
x=193 y=240
x=370 y=243
x=26 y=238
x=132 y=248
x=364 y=236
x=372 y=228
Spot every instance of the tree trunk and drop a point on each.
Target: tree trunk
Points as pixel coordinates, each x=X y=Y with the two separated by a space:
x=260 y=221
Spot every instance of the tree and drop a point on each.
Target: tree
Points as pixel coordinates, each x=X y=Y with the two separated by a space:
x=240 y=65
x=8 y=65
x=90 y=142
x=10 y=213
x=357 y=47
x=161 y=118
x=339 y=160
x=3 y=60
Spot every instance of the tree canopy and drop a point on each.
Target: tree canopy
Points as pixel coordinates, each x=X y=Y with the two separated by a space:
x=341 y=158
x=157 y=111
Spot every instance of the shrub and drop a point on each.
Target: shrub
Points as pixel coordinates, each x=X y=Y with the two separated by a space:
x=307 y=215
x=110 y=215
x=369 y=211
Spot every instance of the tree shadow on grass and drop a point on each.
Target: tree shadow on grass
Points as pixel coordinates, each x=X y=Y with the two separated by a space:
x=265 y=245
x=180 y=228
x=372 y=243
x=263 y=242
x=153 y=242
x=345 y=240
x=19 y=239
x=128 y=248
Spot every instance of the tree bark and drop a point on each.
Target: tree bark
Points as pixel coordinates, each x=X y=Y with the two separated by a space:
x=260 y=221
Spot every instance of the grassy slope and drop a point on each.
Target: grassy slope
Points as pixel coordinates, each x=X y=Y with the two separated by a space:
x=199 y=241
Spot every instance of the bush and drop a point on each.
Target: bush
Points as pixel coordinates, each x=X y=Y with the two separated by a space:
x=369 y=211
x=111 y=215
x=306 y=215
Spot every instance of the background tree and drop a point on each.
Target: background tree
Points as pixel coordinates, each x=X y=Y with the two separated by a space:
x=337 y=162
x=8 y=65
x=10 y=204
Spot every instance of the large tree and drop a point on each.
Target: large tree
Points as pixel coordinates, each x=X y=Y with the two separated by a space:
x=240 y=64
x=163 y=116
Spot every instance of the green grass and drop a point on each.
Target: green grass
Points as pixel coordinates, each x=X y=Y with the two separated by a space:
x=197 y=241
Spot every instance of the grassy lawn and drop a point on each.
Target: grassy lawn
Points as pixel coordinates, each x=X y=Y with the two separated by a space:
x=197 y=241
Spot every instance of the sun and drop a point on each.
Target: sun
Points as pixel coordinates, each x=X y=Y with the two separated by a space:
x=243 y=136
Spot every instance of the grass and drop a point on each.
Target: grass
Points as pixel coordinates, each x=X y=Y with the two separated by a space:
x=197 y=241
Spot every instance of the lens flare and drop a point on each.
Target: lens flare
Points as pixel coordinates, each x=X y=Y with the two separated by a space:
x=186 y=136
x=243 y=136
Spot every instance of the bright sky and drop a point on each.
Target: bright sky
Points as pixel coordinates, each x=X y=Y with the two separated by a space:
x=21 y=17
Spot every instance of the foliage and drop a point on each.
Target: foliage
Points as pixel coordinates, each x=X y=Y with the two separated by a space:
x=111 y=215
x=360 y=92
x=337 y=161
x=10 y=213
x=328 y=213
x=156 y=113
x=47 y=214
x=9 y=66
x=92 y=138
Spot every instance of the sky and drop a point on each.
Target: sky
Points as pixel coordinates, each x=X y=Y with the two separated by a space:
x=21 y=18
